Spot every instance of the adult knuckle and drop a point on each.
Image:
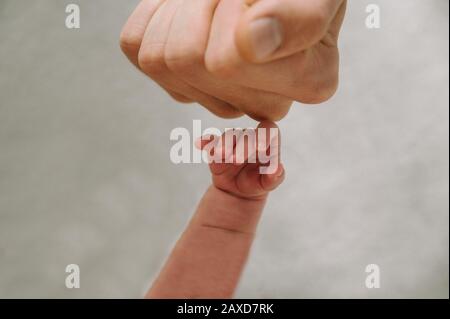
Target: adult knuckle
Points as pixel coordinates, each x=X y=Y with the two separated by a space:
x=183 y=59
x=319 y=92
x=151 y=60
x=130 y=41
x=219 y=65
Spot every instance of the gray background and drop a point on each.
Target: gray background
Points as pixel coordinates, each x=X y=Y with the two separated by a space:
x=85 y=175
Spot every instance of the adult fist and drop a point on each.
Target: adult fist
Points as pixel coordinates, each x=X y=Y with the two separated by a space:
x=236 y=57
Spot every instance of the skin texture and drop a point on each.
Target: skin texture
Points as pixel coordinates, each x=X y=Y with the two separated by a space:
x=201 y=51
x=209 y=257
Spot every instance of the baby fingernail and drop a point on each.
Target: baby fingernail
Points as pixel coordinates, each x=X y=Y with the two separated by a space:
x=265 y=37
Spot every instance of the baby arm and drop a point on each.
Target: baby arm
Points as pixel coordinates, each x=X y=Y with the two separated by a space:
x=208 y=259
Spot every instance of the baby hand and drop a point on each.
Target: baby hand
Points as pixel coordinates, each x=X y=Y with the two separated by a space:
x=245 y=163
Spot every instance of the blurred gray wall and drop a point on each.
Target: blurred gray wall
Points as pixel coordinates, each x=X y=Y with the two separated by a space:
x=85 y=175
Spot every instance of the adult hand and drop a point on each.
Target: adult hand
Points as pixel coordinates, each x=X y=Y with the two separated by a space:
x=238 y=57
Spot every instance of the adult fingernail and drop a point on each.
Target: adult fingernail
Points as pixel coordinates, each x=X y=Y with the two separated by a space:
x=265 y=37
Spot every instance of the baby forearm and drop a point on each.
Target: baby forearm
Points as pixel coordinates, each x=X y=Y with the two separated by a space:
x=229 y=212
x=208 y=259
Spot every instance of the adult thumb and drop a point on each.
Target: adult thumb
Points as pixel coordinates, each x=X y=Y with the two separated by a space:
x=272 y=29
